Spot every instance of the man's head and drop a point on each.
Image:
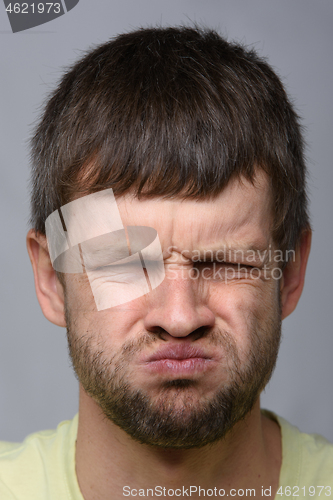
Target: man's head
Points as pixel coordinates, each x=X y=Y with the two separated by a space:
x=198 y=140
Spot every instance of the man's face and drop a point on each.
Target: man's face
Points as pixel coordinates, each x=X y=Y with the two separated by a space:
x=179 y=366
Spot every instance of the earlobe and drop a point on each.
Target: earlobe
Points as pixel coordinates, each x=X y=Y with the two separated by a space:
x=49 y=290
x=292 y=281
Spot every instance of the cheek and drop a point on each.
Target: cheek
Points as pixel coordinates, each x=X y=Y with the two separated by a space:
x=109 y=328
x=238 y=307
x=79 y=298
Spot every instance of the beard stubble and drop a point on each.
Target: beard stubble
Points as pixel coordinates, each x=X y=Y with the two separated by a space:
x=176 y=419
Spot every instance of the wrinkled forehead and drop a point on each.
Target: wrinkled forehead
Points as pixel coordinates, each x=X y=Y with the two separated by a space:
x=102 y=218
x=243 y=209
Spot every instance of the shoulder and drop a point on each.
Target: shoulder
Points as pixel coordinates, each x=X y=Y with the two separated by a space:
x=307 y=459
x=40 y=464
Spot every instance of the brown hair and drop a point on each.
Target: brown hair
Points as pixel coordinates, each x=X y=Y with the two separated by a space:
x=169 y=112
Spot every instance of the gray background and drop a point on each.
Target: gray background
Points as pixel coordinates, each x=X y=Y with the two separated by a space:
x=37 y=387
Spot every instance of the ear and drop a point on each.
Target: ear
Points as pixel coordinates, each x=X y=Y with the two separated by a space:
x=49 y=290
x=292 y=281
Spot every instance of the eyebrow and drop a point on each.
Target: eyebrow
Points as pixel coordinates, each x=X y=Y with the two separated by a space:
x=254 y=253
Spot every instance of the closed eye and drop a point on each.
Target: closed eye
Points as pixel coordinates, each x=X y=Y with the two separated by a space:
x=223 y=263
x=226 y=271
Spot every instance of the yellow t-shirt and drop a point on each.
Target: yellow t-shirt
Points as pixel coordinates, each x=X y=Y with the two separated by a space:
x=307 y=464
x=43 y=466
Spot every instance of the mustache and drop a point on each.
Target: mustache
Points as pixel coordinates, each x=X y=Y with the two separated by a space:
x=213 y=337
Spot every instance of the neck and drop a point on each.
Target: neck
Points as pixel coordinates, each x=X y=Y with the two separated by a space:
x=108 y=460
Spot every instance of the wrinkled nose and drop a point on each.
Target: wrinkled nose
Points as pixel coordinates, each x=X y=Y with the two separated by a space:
x=175 y=308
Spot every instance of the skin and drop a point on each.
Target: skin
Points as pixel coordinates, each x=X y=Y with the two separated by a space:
x=249 y=456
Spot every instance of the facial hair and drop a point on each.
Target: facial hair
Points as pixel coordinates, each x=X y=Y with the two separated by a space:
x=178 y=418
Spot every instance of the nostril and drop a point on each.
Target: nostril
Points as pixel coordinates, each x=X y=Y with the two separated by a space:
x=157 y=330
x=200 y=332
x=196 y=334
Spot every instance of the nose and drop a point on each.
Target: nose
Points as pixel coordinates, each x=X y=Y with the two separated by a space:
x=175 y=308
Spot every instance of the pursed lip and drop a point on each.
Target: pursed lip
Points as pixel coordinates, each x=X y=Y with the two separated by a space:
x=180 y=360
x=178 y=352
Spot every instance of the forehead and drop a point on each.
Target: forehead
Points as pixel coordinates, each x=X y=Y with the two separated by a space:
x=241 y=214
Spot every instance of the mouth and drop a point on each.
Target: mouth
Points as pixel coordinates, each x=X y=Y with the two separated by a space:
x=180 y=360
